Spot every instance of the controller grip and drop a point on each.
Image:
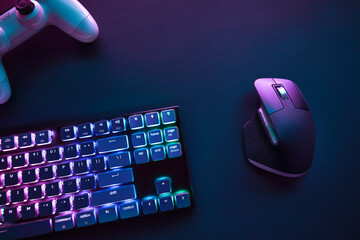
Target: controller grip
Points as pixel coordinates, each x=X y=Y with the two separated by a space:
x=5 y=90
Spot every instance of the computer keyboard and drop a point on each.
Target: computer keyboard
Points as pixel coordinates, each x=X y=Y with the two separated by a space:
x=92 y=172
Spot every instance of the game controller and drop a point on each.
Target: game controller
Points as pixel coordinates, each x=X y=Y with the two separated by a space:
x=29 y=16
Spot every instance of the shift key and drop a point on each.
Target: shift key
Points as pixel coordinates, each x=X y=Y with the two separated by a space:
x=114 y=194
x=115 y=177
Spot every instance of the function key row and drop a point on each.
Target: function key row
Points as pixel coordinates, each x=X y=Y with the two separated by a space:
x=116 y=125
x=26 y=140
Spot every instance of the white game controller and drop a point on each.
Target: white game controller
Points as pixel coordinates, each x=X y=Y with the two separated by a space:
x=29 y=16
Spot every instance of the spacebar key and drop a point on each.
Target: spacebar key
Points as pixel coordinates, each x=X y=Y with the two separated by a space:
x=113 y=144
x=113 y=194
x=25 y=230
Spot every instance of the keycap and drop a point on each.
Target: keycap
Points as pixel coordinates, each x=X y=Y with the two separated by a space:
x=28 y=211
x=81 y=201
x=36 y=157
x=47 y=173
x=107 y=214
x=12 y=179
x=168 y=116
x=87 y=183
x=63 y=205
x=113 y=144
x=86 y=130
x=136 y=122
x=43 y=137
x=26 y=140
x=4 y=198
x=19 y=160
x=81 y=167
x=166 y=202
x=118 y=125
x=68 y=133
x=64 y=169
x=138 y=140
x=11 y=214
x=17 y=195
x=155 y=137
x=4 y=163
x=171 y=134
x=129 y=209
x=174 y=150
x=46 y=208
x=119 y=176
x=141 y=156
x=149 y=205
x=163 y=185
x=87 y=218
x=28 y=229
x=64 y=222
x=98 y=164
x=52 y=189
x=35 y=192
x=112 y=195
x=70 y=186
x=121 y=159
x=158 y=153
x=9 y=143
x=182 y=199
x=30 y=176
x=53 y=154
x=152 y=119
x=87 y=148
x=71 y=151
x=101 y=127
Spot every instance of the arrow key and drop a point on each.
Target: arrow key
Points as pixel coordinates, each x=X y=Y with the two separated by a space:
x=163 y=185
x=149 y=205
x=166 y=202
x=182 y=199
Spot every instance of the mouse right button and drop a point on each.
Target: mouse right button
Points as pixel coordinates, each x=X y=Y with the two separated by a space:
x=268 y=95
x=294 y=92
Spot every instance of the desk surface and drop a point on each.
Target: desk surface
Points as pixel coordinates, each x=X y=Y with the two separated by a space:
x=205 y=56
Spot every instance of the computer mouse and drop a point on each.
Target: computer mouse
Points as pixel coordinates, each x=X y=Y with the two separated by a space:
x=280 y=138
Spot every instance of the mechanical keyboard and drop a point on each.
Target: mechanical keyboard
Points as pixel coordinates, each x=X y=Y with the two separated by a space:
x=93 y=172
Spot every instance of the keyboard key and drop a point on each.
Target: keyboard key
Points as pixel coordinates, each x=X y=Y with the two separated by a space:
x=129 y=209
x=98 y=164
x=81 y=201
x=71 y=186
x=28 y=229
x=171 y=134
x=87 y=149
x=28 y=211
x=157 y=153
x=36 y=157
x=155 y=137
x=64 y=169
x=118 y=125
x=141 y=156
x=46 y=208
x=81 y=167
x=11 y=214
x=112 y=195
x=19 y=160
x=85 y=130
x=4 y=198
x=47 y=173
x=87 y=183
x=26 y=140
x=4 y=163
x=152 y=119
x=163 y=185
x=53 y=154
x=120 y=176
x=182 y=199
x=113 y=144
x=68 y=133
x=101 y=127
x=43 y=137
x=149 y=205
x=71 y=151
x=52 y=189
x=30 y=176
x=63 y=205
x=64 y=222
x=107 y=214
x=138 y=140
x=166 y=202
x=121 y=159
x=17 y=195
x=35 y=192
x=84 y=219
x=12 y=179
x=174 y=150
x=136 y=122
x=9 y=143
x=168 y=116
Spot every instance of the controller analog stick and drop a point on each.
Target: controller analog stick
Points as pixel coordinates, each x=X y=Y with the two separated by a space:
x=24 y=7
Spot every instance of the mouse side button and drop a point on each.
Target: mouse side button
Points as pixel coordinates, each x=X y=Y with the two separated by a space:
x=267 y=94
x=294 y=92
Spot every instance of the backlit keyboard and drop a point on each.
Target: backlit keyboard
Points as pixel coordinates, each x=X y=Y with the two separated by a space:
x=93 y=172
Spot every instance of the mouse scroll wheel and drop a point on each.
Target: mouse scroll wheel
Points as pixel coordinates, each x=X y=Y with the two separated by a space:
x=282 y=92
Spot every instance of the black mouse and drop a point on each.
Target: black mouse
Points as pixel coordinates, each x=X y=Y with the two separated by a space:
x=280 y=138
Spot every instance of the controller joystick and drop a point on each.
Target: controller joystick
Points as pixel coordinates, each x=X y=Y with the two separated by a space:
x=24 y=7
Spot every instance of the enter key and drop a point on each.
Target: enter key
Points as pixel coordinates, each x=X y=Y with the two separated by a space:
x=115 y=177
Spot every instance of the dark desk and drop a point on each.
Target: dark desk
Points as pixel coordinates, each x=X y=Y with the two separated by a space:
x=205 y=56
